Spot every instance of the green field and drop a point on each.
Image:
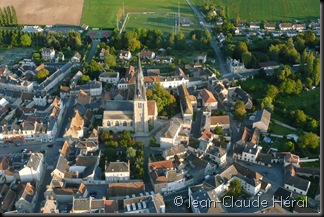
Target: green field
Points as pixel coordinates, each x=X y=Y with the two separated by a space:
x=150 y=21
x=103 y=13
x=270 y=10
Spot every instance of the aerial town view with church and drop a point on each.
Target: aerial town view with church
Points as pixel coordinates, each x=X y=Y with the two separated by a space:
x=178 y=106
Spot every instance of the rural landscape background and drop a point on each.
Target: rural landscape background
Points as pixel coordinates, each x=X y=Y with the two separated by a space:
x=106 y=14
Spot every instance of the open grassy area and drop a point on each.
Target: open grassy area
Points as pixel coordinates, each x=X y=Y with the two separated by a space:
x=164 y=21
x=308 y=101
x=255 y=87
x=274 y=10
x=104 y=14
x=280 y=130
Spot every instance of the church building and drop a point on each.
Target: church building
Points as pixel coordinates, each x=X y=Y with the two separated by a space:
x=135 y=113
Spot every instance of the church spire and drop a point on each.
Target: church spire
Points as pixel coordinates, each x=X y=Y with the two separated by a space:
x=140 y=85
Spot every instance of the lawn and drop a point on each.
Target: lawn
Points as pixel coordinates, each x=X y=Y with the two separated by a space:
x=255 y=87
x=308 y=101
x=164 y=21
x=271 y=10
x=107 y=12
x=280 y=130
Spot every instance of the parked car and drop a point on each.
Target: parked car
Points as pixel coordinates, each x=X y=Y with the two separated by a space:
x=259 y=193
x=50 y=145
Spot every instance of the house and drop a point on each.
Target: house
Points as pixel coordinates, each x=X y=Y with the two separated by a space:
x=122 y=189
x=149 y=55
x=59 y=57
x=164 y=177
x=176 y=132
x=83 y=98
x=216 y=154
x=88 y=205
x=203 y=192
x=125 y=55
x=285 y=26
x=262 y=120
x=50 y=206
x=117 y=171
x=298 y=185
x=208 y=99
x=27 y=200
x=144 y=204
x=241 y=23
x=185 y=103
x=220 y=121
x=34 y=170
x=76 y=58
x=198 y=167
x=102 y=53
x=235 y=65
x=299 y=27
x=185 y=21
x=48 y=54
x=237 y=94
x=202 y=58
x=109 y=77
x=75 y=127
x=237 y=31
x=7 y=200
x=175 y=150
x=291 y=159
x=254 y=25
x=270 y=26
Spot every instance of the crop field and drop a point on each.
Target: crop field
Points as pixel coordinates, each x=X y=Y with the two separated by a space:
x=105 y=14
x=49 y=12
x=270 y=10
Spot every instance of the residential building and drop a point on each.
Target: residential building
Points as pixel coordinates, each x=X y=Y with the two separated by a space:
x=120 y=190
x=170 y=153
x=125 y=55
x=220 y=121
x=235 y=65
x=149 y=55
x=117 y=172
x=185 y=103
x=202 y=58
x=285 y=26
x=34 y=170
x=262 y=120
x=208 y=99
x=26 y=202
x=75 y=128
x=296 y=184
x=270 y=26
x=109 y=77
x=254 y=25
x=48 y=54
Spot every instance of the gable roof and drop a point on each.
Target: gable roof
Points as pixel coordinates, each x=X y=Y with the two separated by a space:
x=111 y=206
x=151 y=104
x=117 y=167
x=34 y=160
x=123 y=189
x=263 y=115
x=165 y=164
x=221 y=120
x=184 y=99
x=297 y=182
x=207 y=96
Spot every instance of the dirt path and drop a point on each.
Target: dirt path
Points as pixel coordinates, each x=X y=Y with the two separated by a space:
x=47 y=12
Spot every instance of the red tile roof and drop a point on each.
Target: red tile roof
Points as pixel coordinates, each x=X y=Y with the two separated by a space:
x=207 y=96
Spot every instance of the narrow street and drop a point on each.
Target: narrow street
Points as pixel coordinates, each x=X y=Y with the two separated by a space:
x=93 y=50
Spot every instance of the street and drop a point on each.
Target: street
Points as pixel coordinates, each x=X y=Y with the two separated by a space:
x=224 y=67
x=93 y=50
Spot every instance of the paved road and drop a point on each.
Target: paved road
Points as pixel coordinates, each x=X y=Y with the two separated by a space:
x=93 y=50
x=224 y=67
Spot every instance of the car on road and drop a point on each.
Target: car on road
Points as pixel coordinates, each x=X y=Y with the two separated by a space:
x=50 y=145
x=18 y=144
x=24 y=150
x=259 y=193
x=93 y=193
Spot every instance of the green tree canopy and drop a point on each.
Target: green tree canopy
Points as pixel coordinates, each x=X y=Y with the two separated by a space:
x=25 y=40
x=239 y=110
x=309 y=140
x=235 y=187
x=218 y=130
x=42 y=75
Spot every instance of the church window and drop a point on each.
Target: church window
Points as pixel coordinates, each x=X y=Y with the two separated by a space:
x=117 y=123
x=108 y=124
x=131 y=123
x=125 y=124
x=139 y=105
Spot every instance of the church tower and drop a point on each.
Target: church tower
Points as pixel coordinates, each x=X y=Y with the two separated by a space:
x=140 y=102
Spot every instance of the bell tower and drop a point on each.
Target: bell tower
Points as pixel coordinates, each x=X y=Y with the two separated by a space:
x=140 y=102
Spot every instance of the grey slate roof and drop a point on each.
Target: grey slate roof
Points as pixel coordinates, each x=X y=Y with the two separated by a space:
x=119 y=105
x=117 y=167
x=297 y=182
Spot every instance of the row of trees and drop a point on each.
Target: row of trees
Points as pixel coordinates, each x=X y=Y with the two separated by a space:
x=8 y=16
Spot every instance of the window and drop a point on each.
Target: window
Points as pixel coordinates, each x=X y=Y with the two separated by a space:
x=117 y=123
x=108 y=123
x=139 y=105
x=125 y=124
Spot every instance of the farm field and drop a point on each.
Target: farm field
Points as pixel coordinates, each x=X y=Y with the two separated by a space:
x=106 y=12
x=270 y=10
x=49 y=12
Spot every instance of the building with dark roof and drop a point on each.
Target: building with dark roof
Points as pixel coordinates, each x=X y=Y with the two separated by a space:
x=262 y=120
x=117 y=171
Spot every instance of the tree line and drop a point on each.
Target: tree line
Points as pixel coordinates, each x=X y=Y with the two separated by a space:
x=8 y=16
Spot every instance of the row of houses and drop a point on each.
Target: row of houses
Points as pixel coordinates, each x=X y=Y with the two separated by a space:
x=281 y=26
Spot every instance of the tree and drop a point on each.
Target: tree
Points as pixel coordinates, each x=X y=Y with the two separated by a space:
x=14 y=16
x=218 y=113
x=310 y=64
x=218 y=130
x=14 y=40
x=246 y=58
x=299 y=116
x=111 y=154
x=130 y=153
x=152 y=141
x=289 y=146
x=110 y=59
x=288 y=86
x=267 y=104
x=272 y=91
x=84 y=79
x=42 y=75
x=165 y=101
x=312 y=125
x=239 y=110
x=235 y=187
x=240 y=48
x=25 y=40
x=134 y=44
x=316 y=74
x=284 y=73
x=309 y=140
